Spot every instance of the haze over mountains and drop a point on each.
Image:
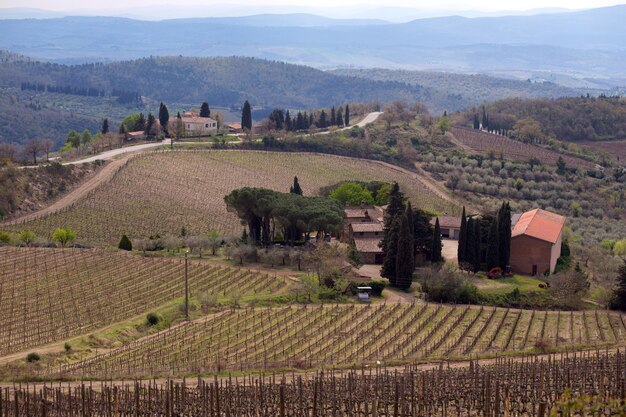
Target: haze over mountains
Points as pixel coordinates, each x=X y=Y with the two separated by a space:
x=575 y=45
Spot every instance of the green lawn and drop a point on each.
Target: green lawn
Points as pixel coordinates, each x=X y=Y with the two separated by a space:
x=505 y=285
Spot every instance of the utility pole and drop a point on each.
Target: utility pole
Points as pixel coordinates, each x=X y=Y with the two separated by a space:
x=186 y=290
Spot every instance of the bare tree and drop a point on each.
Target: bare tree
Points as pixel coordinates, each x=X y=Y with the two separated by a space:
x=47 y=145
x=33 y=147
x=7 y=151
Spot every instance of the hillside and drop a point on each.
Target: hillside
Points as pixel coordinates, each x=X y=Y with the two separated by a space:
x=566 y=118
x=69 y=292
x=458 y=91
x=589 y=43
x=307 y=337
x=163 y=192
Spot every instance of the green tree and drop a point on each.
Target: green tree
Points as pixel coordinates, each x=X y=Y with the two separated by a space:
x=295 y=188
x=149 y=125
x=352 y=194
x=339 y=120
x=390 y=264
x=422 y=232
x=346 y=116
x=63 y=236
x=619 y=295
x=485 y=121
x=246 y=116
x=462 y=248
x=443 y=125
x=73 y=137
x=405 y=255
x=333 y=116
x=322 y=123
x=164 y=117
x=105 y=126
x=504 y=234
x=476 y=121
x=561 y=166
x=205 y=111
x=394 y=208
x=85 y=137
x=125 y=244
x=140 y=124
x=27 y=237
x=436 y=249
x=493 y=246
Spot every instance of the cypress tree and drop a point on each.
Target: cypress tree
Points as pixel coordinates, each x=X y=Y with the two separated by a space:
x=476 y=121
x=394 y=208
x=105 y=126
x=476 y=246
x=288 y=126
x=462 y=249
x=390 y=263
x=504 y=232
x=246 y=116
x=346 y=116
x=619 y=295
x=469 y=246
x=493 y=246
x=339 y=117
x=333 y=117
x=322 y=123
x=149 y=123
x=311 y=121
x=404 y=254
x=295 y=188
x=164 y=116
x=299 y=122
x=485 y=120
x=125 y=243
x=409 y=218
x=141 y=123
x=205 y=111
x=436 y=251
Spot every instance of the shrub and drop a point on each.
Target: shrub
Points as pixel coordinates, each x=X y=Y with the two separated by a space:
x=67 y=347
x=447 y=286
x=125 y=243
x=5 y=238
x=32 y=357
x=153 y=319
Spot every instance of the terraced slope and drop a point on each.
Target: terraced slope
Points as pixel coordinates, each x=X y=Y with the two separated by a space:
x=160 y=193
x=307 y=337
x=49 y=295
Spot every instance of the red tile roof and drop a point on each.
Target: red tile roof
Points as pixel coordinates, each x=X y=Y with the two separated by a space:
x=540 y=224
x=447 y=222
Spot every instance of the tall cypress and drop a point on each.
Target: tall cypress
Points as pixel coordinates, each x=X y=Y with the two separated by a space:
x=149 y=124
x=395 y=207
x=476 y=246
x=469 y=246
x=205 y=111
x=390 y=263
x=436 y=251
x=476 y=121
x=462 y=249
x=485 y=119
x=346 y=116
x=333 y=117
x=246 y=116
x=339 y=117
x=295 y=188
x=164 y=116
x=288 y=124
x=504 y=234
x=493 y=246
x=105 y=126
x=405 y=259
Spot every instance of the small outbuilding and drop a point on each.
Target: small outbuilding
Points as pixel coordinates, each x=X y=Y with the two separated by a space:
x=450 y=226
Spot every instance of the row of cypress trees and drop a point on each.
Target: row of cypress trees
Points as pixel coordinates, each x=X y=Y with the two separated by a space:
x=498 y=241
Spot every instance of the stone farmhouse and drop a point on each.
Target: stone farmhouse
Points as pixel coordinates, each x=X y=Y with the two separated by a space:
x=364 y=227
x=536 y=241
x=196 y=125
x=450 y=226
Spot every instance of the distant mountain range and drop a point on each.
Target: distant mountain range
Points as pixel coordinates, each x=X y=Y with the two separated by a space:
x=585 y=44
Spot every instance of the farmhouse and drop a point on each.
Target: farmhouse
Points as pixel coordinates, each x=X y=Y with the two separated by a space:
x=196 y=125
x=450 y=226
x=364 y=227
x=536 y=241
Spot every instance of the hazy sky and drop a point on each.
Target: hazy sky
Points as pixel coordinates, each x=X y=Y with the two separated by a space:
x=483 y=5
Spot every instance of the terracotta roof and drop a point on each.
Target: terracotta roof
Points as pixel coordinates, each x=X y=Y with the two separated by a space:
x=368 y=245
x=366 y=227
x=136 y=133
x=197 y=119
x=540 y=224
x=234 y=125
x=447 y=222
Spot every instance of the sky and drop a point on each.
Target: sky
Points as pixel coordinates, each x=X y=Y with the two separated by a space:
x=482 y=5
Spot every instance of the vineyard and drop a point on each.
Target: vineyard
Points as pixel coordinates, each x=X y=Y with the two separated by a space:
x=482 y=143
x=595 y=383
x=163 y=192
x=49 y=295
x=308 y=337
x=614 y=148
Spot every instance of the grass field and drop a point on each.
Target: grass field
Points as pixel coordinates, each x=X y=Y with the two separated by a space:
x=305 y=337
x=505 y=285
x=161 y=193
x=49 y=295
